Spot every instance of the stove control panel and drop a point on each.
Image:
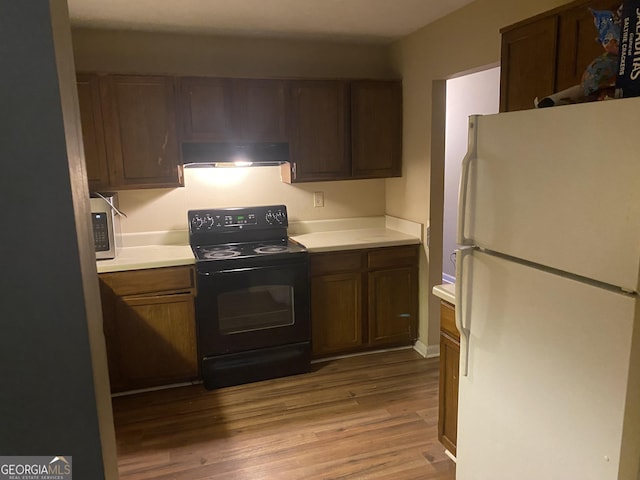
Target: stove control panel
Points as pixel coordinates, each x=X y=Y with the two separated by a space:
x=277 y=216
x=230 y=219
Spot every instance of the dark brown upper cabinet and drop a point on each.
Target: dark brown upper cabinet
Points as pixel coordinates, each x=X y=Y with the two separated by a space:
x=129 y=131
x=140 y=131
x=376 y=129
x=336 y=129
x=319 y=132
x=95 y=150
x=528 y=64
x=548 y=53
x=205 y=107
x=233 y=110
x=344 y=130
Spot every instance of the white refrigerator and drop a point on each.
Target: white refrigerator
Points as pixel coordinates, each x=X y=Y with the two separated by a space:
x=547 y=295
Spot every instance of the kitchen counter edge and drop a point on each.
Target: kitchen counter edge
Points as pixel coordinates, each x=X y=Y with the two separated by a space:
x=446 y=292
x=354 y=239
x=144 y=257
x=157 y=256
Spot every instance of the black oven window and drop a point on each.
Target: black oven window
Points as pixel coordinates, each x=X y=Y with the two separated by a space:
x=255 y=308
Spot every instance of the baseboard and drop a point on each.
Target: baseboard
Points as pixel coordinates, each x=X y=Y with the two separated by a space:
x=450 y=455
x=359 y=354
x=421 y=348
x=430 y=351
x=153 y=389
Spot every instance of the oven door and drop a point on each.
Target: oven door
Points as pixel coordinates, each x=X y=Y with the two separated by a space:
x=251 y=308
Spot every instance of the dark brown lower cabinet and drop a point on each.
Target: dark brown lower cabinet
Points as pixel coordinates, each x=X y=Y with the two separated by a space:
x=149 y=326
x=449 y=371
x=336 y=312
x=363 y=299
x=393 y=296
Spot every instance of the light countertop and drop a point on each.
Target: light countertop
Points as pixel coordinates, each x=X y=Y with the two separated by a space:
x=446 y=292
x=150 y=256
x=354 y=239
x=169 y=249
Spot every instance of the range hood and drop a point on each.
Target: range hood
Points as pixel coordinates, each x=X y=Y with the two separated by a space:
x=234 y=154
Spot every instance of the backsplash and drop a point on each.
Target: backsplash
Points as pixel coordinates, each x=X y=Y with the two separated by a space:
x=166 y=209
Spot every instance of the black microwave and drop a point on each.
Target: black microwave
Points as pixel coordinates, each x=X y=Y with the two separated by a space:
x=105 y=225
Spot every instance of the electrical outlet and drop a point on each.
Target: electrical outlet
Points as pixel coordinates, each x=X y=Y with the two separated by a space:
x=318 y=199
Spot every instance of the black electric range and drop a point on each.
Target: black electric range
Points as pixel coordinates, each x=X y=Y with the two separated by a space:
x=252 y=303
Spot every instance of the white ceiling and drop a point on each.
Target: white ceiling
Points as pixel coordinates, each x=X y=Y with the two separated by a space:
x=369 y=21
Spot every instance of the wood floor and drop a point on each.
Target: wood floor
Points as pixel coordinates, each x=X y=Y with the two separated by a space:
x=368 y=417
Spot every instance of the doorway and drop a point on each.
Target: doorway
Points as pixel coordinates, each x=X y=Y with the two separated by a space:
x=475 y=93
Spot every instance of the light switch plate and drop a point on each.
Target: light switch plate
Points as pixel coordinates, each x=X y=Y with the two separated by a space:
x=318 y=199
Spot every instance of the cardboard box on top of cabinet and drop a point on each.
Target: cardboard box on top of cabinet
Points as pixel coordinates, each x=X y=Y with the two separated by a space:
x=628 y=80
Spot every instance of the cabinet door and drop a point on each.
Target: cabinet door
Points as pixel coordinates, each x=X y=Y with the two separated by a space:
x=578 y=44
x=92 y=131
x=376 y=129
x=260 y=110
x=140 y=131
x=528 y=64
x=205 y=109
x=448 y=401
x=319 y=136
x=149 y=281
x=153 y=338
x=336 y=313
x=393 y=306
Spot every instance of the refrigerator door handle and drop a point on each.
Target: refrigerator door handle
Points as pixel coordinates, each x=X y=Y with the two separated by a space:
x=464 y=180
x=460 y=310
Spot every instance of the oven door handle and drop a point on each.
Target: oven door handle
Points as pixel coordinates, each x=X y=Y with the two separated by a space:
x=235 y=270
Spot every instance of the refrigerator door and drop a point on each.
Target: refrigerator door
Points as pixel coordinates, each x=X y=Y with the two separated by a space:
x=559 y=187
x=553 y=376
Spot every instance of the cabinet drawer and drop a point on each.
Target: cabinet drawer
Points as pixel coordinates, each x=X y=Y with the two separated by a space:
x=138 y=282
x=322 y=263
x=390 y=257
x=448 y=320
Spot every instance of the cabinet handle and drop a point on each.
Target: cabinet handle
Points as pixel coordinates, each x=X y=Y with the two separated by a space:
x=459 y=316
x=294 y=170
x=472 y=154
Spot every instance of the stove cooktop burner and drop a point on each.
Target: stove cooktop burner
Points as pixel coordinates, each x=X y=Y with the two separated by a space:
x=266 y=249
x=220 y=253
x=206 y=253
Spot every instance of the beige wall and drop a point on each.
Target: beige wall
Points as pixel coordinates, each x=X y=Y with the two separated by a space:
x=166 y=209
x=166 y=53
x=464 y=41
